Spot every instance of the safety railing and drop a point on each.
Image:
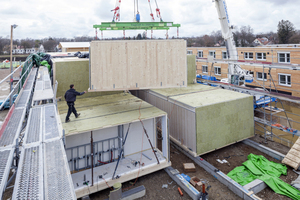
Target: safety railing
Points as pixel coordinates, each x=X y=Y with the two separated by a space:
x=26 y=67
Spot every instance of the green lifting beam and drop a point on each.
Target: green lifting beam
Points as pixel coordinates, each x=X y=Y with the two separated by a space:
x=112 y=26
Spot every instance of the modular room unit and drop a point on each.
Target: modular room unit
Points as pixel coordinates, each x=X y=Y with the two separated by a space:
x=137 y=64
x=204 y=118
x=119 y=126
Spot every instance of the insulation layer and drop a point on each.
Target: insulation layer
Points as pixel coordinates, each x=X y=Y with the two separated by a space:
x=73 y=71
x=191 y=69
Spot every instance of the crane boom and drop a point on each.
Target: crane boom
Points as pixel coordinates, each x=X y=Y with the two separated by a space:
x=236 y=74
x=226 y=29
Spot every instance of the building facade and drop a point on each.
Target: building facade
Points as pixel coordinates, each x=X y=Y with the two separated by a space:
x=256 y=60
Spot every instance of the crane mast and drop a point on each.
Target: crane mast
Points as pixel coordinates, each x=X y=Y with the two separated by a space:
x=236 y=75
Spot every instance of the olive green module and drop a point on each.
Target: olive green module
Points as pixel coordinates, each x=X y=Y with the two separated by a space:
x=191 y=67
x=75 y=71
x=204 y=118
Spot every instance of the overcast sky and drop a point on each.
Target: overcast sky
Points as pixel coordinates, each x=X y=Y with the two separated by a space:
x=68 y=18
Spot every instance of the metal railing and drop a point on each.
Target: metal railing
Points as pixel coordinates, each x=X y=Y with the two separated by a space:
x=104 y=151
x=16 y=89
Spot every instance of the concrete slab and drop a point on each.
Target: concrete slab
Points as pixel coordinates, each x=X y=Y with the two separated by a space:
x=256 y=186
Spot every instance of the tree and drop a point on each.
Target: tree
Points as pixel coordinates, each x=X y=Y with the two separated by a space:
x=285 y=30
x=246 y=36
x=208 y=41
x=25 y=44
x=295 y=39
x=49 y=44
x=236 y=39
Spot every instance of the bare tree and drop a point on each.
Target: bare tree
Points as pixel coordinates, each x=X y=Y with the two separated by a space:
x=295 y=39
x=50 y=44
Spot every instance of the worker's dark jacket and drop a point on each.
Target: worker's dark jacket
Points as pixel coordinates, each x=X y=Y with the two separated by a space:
x=71 y=94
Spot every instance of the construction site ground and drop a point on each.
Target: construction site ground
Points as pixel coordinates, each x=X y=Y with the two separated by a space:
x=238 y=154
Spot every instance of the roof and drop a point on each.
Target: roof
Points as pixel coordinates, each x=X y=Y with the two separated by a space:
x=74 y=44
x=106 y=111
x=197 y=95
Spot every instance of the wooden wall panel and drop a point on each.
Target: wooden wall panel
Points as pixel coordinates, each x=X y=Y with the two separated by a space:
x=73 y=71
x=143 y=64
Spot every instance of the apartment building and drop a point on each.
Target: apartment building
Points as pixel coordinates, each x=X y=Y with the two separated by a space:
x=256 y=60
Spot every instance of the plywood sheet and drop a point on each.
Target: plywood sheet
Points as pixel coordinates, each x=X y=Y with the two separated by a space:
x=142 y=64
x=293 y=156
x=73 y=71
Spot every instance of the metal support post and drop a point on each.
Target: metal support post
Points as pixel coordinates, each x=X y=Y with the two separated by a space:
x=177 y=32
x=102 y=35
x=265 y=134
x=11 y=66
x=124 y=34
x=151 y=33
x=92 y=154
x=64 y=138
x=17 y=152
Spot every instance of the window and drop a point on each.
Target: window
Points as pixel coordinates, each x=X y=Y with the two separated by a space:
x=261 y=76
x=212 y=53
x=248 y=55
x=284 y=57
x=200 y=54
x=224 y=55
x=189 y=52
x=204 y=69
x=261 y=56
x=218 y=71
x=284 y=79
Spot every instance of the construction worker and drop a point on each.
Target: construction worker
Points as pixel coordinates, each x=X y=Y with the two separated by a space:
x=138 y=16
x=70 y=98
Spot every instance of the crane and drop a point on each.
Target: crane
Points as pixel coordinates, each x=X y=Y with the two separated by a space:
x=117 y=8
x=236 y=75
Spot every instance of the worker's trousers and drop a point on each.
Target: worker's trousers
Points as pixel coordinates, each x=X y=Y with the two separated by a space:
x=71 y=109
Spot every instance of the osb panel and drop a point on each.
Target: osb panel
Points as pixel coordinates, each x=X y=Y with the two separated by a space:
x=122 y=65
x=76 y=72
x=224 y=123
x=191 y=67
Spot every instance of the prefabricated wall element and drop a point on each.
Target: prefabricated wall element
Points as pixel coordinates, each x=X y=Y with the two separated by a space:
x=204 y=118
x=67 y=71
x=191 y=69
x=113 y=126
x=292 y=158
x=137 y=64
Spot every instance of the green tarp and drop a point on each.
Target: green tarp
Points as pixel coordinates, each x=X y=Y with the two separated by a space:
x=45 y=63
x=258 y=167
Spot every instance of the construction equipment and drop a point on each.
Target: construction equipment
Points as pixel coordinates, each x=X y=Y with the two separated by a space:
x=117 y=8
x=236 y=75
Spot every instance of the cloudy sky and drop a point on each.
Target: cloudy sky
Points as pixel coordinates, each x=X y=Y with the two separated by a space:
x=68 y=18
